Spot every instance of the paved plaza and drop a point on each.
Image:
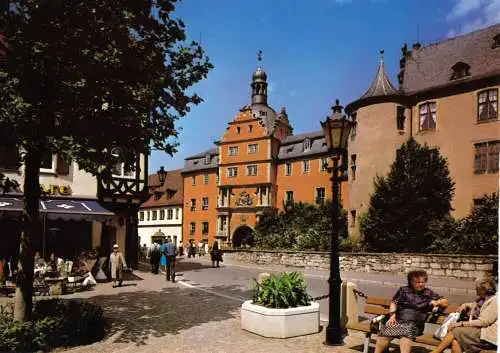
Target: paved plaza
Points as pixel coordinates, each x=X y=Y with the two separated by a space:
x=149 y=314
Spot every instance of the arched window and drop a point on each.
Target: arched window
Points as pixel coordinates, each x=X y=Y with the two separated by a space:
x=496 y=42
x=459 y=70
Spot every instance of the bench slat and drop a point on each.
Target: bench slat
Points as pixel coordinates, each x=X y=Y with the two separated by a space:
x=378 y=301
x=363 y=327
x=376 y=310
x=427 y=339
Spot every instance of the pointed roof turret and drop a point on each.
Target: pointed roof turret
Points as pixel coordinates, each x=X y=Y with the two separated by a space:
x=381 y=86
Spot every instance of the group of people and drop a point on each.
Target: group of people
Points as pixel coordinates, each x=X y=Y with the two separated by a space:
x=408 y=313
x=162 y=255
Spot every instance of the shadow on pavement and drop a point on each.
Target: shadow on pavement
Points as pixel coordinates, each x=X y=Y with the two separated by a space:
x=140 y=314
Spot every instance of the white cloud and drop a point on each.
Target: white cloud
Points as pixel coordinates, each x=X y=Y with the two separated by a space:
x=472 y=15
x=463 y=7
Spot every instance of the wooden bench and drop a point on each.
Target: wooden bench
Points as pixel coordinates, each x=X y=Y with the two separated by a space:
x=380 y=306
x=7 y=290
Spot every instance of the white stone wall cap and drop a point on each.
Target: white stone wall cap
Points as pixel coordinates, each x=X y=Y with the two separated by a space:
x=248 y=305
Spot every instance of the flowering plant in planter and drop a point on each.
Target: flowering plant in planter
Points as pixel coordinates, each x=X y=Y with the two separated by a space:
x=283 y=291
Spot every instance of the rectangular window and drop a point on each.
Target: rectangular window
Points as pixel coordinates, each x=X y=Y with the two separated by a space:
x=192 y=228
x=238 y=130
x=253 y=148
x=487 y=105
x=48 y=163
x=162 y=215
x=250 y=128
x=486 y=157
x=354 y=125
x=400 y=118
x=204 y=203
x=252 y=169
x=232 y=172
x=170 y=214
x=233 y=150
x=353 y=218
x=353 y=166
x=141 y=216
x=204 y=228
x=176 y=213
x=205 y=179
x=288 y=168
x=289 y=196
x=193 y=180
x=192 y=205
x=307 y=145
x=9 y=157
x=148 y=215
x=323 y=164
x=154 y=215
x=217 y=178
x=306 y=167
x=320 y=196
x=427 y=113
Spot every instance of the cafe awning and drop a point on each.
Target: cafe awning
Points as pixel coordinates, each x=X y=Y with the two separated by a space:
x=73 y=209
x=65 y=209
x=11 y=204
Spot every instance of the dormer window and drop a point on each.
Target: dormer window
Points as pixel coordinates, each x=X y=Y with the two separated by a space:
x=307 y=145
x=157 y=195
x=496 y=41
x=207 y=159
x=459 y=70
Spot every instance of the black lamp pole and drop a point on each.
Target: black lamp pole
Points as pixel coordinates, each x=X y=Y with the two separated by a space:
x=336 y=130
x=334 y=331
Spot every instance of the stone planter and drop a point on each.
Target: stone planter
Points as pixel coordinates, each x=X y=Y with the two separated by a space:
x=280 y=323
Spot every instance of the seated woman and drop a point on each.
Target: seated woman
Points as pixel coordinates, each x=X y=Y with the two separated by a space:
x=480 y=331
x=408 y=310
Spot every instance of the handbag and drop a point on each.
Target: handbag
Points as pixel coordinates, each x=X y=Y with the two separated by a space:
x=442 y=331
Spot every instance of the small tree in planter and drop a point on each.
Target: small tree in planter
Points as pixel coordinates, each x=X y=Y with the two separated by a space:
x=281 y=308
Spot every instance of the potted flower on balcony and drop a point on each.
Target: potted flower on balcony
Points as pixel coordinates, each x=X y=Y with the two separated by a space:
x=280 y=307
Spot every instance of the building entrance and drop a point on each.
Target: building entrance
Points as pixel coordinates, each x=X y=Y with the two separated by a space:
x=243 y=236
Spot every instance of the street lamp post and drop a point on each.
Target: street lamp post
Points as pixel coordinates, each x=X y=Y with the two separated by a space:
x=162 y=175
x=336 y=130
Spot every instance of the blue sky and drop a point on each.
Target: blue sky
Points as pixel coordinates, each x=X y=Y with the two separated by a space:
x=313 y=52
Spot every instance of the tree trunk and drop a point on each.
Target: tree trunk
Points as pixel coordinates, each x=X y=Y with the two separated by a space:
x=30 y=230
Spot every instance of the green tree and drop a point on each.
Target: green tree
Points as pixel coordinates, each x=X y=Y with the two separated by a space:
x=417 y=191
x=300 y=226
x=81 y=77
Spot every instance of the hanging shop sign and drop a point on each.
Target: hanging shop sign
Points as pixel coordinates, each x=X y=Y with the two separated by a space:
x=63 y=190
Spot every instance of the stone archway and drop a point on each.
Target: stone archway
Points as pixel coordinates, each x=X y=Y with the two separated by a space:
x=243 y=236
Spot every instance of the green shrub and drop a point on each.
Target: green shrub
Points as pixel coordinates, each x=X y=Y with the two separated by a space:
x=55 y=323
x=287 y=290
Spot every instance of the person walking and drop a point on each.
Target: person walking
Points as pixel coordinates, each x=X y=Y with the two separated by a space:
x=117 y=264
x=154 y=257
x=170 y=253
x=216 y=254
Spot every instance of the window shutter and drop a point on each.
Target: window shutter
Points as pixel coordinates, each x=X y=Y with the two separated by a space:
x=62 y=165
x=493 y=157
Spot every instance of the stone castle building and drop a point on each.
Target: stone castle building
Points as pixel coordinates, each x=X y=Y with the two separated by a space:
x=447 y=97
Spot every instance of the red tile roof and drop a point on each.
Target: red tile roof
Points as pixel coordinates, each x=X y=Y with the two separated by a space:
x=170 y=194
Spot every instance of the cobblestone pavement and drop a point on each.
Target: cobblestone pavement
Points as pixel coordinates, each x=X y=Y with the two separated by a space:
x=152 y=315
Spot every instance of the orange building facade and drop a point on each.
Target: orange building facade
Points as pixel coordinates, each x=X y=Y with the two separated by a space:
x=257 y=166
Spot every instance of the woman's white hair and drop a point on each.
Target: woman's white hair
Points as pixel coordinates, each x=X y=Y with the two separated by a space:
x=487 y=283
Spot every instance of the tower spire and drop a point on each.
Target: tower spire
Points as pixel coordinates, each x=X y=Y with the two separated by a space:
x=259 y=83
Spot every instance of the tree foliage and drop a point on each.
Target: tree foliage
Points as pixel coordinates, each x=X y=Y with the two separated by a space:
x=301 y=226
x=475 y=234
x=417 y=191
x=81 y=77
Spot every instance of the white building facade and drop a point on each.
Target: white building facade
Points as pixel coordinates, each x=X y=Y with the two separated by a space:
x=161 y=215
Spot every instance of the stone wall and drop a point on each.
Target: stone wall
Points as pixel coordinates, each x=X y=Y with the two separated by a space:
x=451 y=266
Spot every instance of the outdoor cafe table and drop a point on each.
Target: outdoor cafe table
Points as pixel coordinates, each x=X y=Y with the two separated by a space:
x=55 y=284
